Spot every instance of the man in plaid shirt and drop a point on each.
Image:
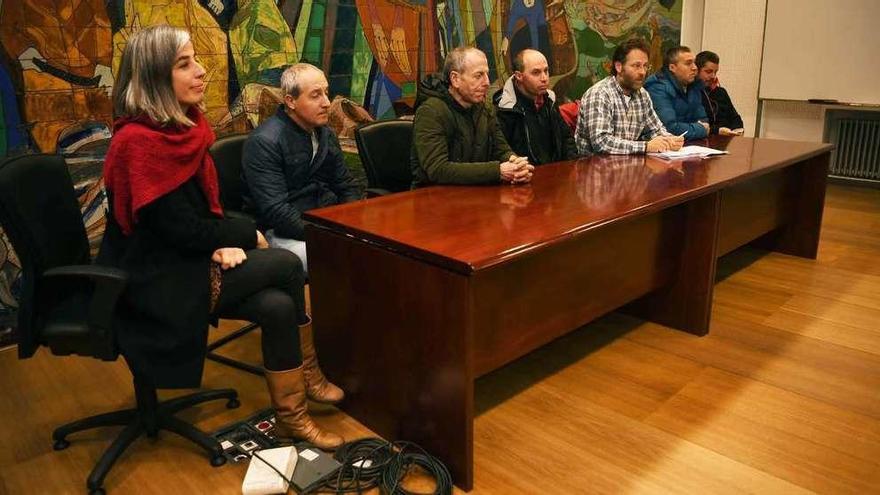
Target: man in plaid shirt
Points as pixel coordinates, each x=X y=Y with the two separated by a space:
x=616 y=115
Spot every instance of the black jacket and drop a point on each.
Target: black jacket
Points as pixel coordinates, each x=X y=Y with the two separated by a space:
x=163 y=319
x=720 y=110
x=520 y=136
x=282 y=180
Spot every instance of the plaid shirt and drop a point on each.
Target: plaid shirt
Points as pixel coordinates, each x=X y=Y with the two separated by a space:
x=609 y=121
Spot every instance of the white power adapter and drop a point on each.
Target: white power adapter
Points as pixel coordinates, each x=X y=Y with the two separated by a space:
x=261 y=479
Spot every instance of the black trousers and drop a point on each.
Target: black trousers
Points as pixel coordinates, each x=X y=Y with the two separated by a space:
x=269 y=290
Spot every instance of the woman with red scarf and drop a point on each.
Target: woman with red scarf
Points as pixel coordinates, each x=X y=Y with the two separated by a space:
x=188 y=264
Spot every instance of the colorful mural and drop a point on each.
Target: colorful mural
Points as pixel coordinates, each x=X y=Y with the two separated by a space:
x=61 y=54
x=58 y=60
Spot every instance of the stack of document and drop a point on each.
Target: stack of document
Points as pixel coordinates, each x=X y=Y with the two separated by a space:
x=688 y=152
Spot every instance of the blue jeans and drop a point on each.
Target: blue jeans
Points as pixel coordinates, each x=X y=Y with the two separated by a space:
x=296 y=247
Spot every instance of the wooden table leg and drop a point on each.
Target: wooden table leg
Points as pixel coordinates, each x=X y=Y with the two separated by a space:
x=800 y=235
x=394 y=333
x=686 y=303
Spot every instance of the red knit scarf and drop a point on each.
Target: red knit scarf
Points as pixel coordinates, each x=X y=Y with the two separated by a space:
x=147 y=160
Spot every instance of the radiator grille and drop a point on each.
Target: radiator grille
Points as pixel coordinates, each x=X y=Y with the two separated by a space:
x=856 y=136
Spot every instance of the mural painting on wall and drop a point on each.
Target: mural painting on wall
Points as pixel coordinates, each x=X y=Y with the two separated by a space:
x=58 y=61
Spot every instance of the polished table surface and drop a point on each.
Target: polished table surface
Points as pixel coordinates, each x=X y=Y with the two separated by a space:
x=471 y=228
x=416 y=294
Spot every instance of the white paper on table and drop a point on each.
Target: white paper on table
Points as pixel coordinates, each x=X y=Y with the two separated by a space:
x=689 y=151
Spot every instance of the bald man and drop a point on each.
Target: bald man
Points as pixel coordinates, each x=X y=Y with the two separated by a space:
x=528 y=113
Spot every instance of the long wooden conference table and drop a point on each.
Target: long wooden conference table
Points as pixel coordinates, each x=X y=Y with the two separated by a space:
x=416 y=294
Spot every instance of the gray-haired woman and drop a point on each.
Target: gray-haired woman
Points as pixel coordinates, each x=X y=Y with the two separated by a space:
x=188 y=263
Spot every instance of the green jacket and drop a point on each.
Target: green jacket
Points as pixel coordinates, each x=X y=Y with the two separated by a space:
x=452 y=144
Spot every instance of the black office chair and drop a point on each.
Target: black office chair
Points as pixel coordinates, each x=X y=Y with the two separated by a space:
x=384 y=148
x=226 y=153
x=68 y=304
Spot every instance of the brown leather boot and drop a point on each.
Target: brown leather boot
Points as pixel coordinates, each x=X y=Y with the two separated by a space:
x=292 y=421
x=318 y=387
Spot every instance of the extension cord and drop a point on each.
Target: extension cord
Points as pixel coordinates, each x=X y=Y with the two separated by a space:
x=261 y=479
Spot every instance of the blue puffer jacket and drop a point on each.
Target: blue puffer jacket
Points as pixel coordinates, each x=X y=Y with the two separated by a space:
x=678 y=110
x=282 y=179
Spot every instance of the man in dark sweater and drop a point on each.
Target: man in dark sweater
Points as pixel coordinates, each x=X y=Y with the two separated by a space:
x=292 y=162
x=528 y=113
x=723 y=117
x=456 y=139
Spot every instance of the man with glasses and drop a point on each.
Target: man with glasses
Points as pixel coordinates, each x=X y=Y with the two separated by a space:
x=616 y=115
x=677 y=94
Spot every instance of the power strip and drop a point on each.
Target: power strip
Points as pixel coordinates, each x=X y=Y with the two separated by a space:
x=261 y=479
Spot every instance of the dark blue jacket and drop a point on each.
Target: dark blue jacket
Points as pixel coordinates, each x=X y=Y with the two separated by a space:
x=282 y=180
x=678 y=110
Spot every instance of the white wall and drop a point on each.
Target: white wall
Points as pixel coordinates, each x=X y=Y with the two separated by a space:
x=734 y=29
x=822 y=49
x=793 y=120
x=692 y=24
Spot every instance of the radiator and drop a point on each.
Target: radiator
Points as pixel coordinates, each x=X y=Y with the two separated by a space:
x=856 y=135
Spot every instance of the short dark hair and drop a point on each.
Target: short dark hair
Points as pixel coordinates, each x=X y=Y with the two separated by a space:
x=518 y=62
x=671 y=55
x=707 y=56
x=623 y=49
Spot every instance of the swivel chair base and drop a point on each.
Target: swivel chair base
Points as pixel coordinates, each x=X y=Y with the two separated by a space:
x=228 y=361
x=147 y=418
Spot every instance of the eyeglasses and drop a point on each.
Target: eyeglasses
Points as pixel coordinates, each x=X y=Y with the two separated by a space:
x=647 y=67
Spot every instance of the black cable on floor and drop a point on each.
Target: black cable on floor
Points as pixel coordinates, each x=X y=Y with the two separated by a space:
x=408 y=455
x=372 y=462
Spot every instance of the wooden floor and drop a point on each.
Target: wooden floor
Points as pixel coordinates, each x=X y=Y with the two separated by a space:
x=782 y=396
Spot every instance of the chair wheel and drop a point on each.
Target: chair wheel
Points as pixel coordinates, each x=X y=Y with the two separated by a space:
x=218 y=460
x=60 y=444
x=233 y=404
